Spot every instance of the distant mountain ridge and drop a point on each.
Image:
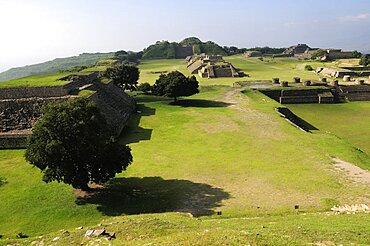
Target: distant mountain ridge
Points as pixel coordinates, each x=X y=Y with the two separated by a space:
x=54 y=65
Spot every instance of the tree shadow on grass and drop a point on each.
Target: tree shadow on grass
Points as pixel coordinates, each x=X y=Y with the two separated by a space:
x=200 y=103
x=155 y=195
x=133 y=133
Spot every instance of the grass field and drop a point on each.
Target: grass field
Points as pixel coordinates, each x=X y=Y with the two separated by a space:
x=36 y=80
x=283 y=68
x=350 y=121
x=221 y=150
x=179 y=229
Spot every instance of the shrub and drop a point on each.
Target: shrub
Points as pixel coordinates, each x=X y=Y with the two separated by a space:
x=146 y=88
x=365 y=60
x=308 y=68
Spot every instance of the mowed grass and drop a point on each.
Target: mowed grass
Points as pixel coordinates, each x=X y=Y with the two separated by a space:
x=29 y=205
x=36 y=80
x=210 y=154
x=350 y=121
x=180 y=229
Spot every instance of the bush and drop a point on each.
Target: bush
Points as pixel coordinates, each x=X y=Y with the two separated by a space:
x=124 y=76
x=175 y=84
x=365 y=60
x=308 y=68
x=146 y=88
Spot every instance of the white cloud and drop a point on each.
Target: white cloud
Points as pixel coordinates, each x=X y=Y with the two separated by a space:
x=358 y=17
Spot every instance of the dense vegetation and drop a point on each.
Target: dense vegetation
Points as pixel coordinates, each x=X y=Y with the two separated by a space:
x=365 y=60
x=55 y=65
x=167 y=50
x=161 y=49
x=267 y=50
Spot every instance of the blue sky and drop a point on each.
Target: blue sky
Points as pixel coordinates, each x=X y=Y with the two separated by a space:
x=39 y=30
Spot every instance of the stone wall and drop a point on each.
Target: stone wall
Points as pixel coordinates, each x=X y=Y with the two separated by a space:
x=355 y=92
x=13 y=141
x=300 y=96
x=20 y=114
x=182 y=52
x=338 y=54
x=29 y=92
x=115 y=105
x=222 y=71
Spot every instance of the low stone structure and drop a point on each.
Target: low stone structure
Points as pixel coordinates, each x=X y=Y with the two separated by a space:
x=284 y=96
x=333 y=54
x=335 y=72
x=223 y=70
x=20 y=107
x=354 y=93
x=253 y=54
x=296 y=49
x=211 y=67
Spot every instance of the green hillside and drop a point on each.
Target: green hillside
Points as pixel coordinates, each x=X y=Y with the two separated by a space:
x=54 y=65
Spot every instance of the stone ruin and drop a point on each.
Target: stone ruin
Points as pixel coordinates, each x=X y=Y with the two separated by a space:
x=310 y=91
x=296 y=49
x=211 y=67
x=253 y=54
x=20 y=107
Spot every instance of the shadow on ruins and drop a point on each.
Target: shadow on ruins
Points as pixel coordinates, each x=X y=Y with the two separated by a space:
x=133 y=133
x=155 y=195
x=200 y=103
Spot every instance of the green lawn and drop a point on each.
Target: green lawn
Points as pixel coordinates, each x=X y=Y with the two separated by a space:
x=180 y=229
x=350 y=121
x=36 y=80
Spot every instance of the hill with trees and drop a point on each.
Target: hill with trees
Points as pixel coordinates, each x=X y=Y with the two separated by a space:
x=188 y=46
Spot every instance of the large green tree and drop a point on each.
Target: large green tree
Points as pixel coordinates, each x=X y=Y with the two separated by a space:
x=124 y=76
x=72 y=143
x=175 y=84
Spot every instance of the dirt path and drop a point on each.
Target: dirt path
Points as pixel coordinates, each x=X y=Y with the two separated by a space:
x=352 y=172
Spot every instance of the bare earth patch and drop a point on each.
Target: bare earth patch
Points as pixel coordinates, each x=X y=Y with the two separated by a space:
x=82 y=193
x=353 y=172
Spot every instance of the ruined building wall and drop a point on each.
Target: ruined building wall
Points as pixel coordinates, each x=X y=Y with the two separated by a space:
x=115 y=105
x=221 y=72
x=182 y=52
x=20 y=114
x=29 y=92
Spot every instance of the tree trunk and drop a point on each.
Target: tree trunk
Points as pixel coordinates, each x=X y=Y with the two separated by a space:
x=175 y=99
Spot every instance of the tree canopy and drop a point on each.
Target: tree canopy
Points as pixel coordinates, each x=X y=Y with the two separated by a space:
x=365 y=60
x=175 y=84
x=124 y=76
x=72 y=143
